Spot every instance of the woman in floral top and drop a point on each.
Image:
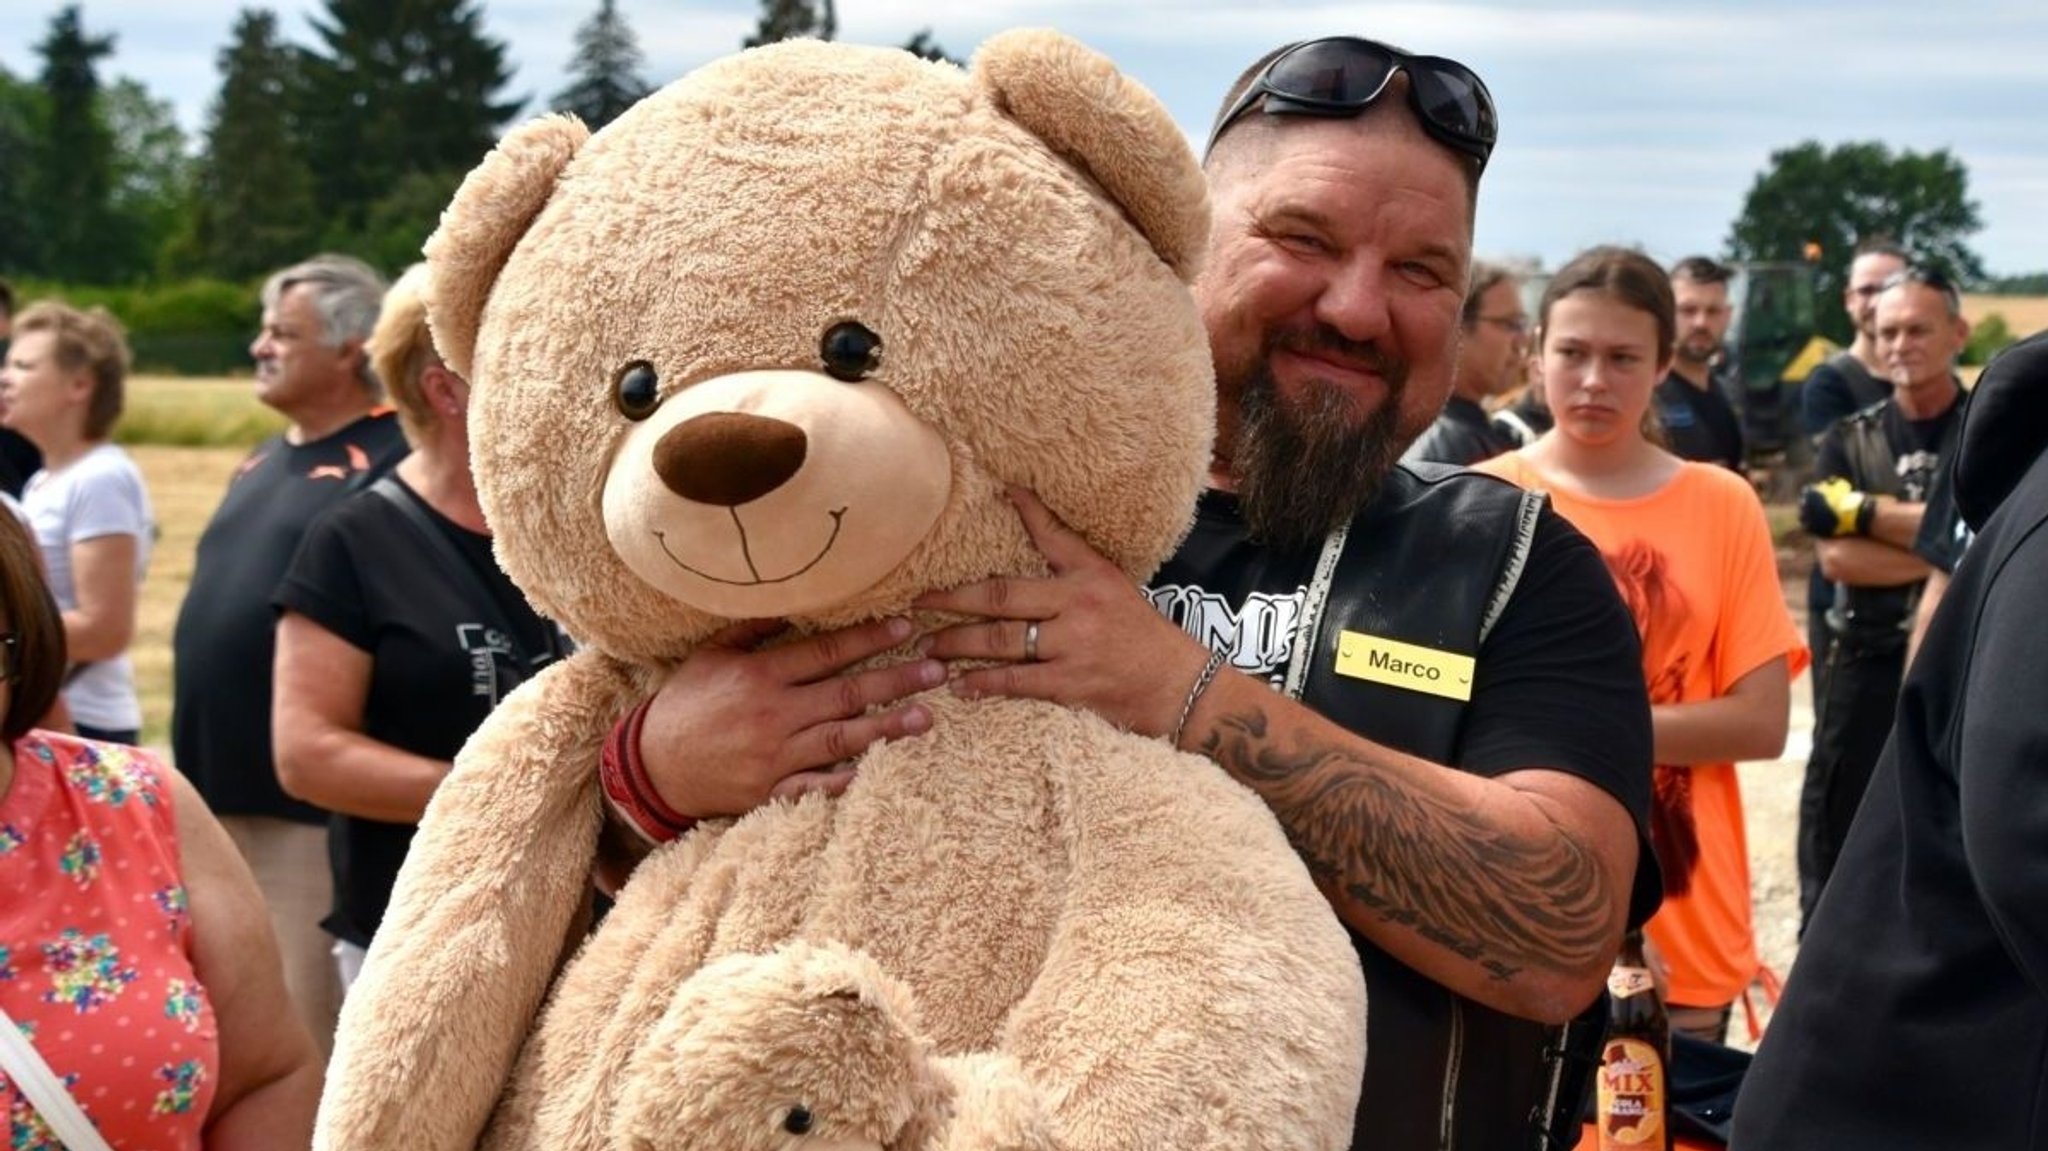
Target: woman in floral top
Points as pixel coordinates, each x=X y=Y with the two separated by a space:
x=135 y=951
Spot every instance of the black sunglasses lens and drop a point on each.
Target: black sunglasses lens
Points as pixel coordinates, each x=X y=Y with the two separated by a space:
x=1342 y=73
x=1454 y=99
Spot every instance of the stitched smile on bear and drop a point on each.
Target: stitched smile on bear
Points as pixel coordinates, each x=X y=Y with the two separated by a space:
x=756 y=578
x=729 y=459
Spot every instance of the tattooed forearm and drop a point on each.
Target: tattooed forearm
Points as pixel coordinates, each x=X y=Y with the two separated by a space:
x=1504 y=901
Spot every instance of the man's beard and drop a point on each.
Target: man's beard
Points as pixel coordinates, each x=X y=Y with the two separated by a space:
x=1303 y=469
x=1701 y=352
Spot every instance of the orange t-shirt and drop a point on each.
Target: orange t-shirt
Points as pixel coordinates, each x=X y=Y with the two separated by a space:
x=1694 y=562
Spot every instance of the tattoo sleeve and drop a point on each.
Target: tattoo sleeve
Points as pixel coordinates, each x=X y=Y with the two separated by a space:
x=1504 y=901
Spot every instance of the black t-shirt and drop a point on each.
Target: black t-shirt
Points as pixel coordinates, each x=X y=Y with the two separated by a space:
x=223 y=644
x=439 y=661
x=1462 y=435
x=19 y=459
x=1943 y=535
x=1558 y=683
x=1838 y=386
x=1917 y=1015
x=1699 y=425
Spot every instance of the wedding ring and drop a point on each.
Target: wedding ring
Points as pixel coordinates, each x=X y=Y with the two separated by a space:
x=1031 y=641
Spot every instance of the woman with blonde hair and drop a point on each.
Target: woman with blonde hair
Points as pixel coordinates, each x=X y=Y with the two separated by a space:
x=62 y=387
x=1691 y=551
x=398 y=633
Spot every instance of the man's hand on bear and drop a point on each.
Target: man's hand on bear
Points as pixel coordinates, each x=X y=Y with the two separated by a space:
x=738 y=724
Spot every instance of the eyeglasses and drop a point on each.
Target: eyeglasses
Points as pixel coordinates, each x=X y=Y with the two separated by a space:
x=1517 y=325
x=1341 y=76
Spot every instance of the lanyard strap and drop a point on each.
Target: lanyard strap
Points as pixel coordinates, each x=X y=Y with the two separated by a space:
x=45 y=1092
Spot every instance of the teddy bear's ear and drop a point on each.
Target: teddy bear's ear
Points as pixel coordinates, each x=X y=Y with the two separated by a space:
x=1075 y=100
x=494 y=207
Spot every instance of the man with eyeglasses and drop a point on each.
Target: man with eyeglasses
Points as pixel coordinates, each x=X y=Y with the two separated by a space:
x=1917 y=1013
x=1842 y=385
x=1698 y=421
x=1854 y=378
x=1864 y=512
x=1493 y=339
x=1481 y=829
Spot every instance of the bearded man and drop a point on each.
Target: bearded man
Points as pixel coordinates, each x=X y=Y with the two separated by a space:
x=1429 y=677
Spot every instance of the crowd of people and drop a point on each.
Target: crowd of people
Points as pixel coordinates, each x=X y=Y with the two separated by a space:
x=346 y=629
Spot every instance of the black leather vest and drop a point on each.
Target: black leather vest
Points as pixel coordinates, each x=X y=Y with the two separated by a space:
x=1432 y=562
x=1875 y=616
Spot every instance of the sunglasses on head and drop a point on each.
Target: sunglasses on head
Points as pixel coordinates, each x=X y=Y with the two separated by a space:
x=1341 y=76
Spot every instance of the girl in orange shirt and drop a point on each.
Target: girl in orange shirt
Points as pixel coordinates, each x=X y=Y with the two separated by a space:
x=1689 y=546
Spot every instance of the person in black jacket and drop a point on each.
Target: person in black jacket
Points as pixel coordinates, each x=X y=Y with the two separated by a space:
x=1917 y=1015
x=1492 y=346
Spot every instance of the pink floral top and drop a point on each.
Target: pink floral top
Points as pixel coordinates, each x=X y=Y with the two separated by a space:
x=96 y=946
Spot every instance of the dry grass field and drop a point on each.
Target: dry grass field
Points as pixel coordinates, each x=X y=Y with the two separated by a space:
x=2024 y=315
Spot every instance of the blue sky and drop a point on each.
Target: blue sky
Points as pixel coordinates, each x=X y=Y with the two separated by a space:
x=1639 y=123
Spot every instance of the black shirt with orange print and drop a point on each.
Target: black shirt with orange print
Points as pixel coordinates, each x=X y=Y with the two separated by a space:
x=224 y=642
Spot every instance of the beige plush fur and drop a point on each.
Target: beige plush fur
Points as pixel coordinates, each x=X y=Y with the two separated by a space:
x=1025 y=929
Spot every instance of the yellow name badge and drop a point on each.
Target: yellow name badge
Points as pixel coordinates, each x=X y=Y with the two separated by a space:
x=1405 y=665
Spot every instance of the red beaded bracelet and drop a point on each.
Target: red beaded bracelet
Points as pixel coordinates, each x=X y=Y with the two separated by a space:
x=629 y=789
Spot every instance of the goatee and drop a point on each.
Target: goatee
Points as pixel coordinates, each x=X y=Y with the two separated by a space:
x=1304 y=468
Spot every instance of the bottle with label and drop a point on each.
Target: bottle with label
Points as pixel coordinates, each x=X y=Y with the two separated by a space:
x=1633 y=1096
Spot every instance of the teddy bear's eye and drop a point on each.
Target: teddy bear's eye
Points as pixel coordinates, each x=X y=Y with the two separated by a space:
x=850 y=351
x=798 y=1121
x=637 y=390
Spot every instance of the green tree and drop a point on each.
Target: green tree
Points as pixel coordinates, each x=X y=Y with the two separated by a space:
x=923 y=45
x=21 y=117
x=73 y=160
x=398 y=223
x=2033 y=284
x=152 y=172
x=254 y=210
x=397 y=87
x=606 y=68
x=1990 y=336
x=790 y=19
x=1834 y=196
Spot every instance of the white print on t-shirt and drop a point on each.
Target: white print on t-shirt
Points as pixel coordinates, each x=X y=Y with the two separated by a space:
x=484 y=644
x=1916 y=475
x=1257 y=637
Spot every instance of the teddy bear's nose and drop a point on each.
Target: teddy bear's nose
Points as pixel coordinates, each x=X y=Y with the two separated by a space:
x=728 y=458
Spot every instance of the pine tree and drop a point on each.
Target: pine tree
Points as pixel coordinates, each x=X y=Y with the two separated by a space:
x=397 y=88
x=789 y=19
x=73 y=158
x=606 y=67
x=21 y=111
x=151 y=188
x=254 y=209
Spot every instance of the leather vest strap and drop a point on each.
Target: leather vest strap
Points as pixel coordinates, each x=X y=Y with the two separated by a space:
x=1433 y=562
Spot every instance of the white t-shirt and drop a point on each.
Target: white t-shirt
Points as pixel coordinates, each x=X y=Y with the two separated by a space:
x=99 y=494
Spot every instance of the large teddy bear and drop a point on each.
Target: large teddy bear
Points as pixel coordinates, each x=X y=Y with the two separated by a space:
x=773 y=345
